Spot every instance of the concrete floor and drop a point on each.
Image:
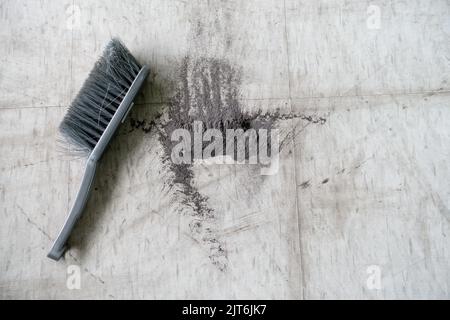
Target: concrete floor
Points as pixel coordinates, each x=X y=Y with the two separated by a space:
x=359 y=208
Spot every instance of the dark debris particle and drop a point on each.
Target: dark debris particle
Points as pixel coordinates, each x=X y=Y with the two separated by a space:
x=305 y=184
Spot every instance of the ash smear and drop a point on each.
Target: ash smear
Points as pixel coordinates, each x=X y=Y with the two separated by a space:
x=144 y=125
x=207 y=90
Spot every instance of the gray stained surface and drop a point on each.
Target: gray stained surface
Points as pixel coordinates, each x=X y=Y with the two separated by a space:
x=362 y=193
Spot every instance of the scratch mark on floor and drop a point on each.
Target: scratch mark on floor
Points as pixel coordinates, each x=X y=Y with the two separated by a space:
x=41 y=230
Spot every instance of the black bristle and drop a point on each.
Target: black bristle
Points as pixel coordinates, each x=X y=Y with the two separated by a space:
x=99 y=97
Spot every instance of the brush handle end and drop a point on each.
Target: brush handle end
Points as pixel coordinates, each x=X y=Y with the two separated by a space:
x=59 y=246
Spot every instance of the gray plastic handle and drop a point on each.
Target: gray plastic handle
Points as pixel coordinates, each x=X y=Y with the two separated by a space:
x=59 y=246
